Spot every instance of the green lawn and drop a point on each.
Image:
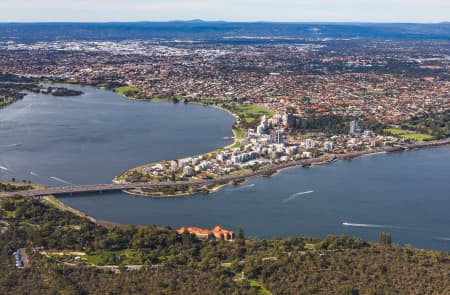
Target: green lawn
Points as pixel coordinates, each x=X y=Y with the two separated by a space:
x=394 y=131
x=128 y=91
x=310 y=247
x=238 y=132
x=408 y=135
x=251 y=113
x=260 y=287
x=50 y=204
x=205 y=101
x=417 y=136
x=106 y=257
x=10 y=214
x=237 y=144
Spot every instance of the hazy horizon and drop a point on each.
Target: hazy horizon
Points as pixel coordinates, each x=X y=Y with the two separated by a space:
x=217 y=21
x=343 y=11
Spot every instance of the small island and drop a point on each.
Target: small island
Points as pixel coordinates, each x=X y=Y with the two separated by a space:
x=61 y=91
x=14 y=88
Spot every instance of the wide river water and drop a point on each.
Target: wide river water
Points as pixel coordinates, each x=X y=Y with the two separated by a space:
x=93 y=137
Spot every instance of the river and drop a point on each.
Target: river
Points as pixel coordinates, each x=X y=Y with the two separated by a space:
x=91 y=138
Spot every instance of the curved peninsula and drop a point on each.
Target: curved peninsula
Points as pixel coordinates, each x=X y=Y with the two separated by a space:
x=262 y=150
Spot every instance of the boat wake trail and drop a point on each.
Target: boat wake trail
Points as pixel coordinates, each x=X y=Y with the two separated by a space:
x=296 y=195
x=443 y=239
x=242 y=187
x=369 y=225
x=61 y=180
x=3 y=168
x=34 y=173
x=9 y=145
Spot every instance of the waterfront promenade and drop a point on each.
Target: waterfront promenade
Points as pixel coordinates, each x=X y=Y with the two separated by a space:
x=111 y=187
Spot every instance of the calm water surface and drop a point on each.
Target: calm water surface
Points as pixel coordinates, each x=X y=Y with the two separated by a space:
x=96 y=136
x=91 y=138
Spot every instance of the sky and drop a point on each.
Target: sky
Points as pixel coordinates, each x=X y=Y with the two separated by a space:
x=227 y=10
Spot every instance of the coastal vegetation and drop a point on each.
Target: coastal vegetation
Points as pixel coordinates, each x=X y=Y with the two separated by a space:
x=238 y=132
x=17 y=186
x=424 y=127
x=128 y=91
x=69 y=254
x=436 y=125
x=62 y=91
x=14 y=87
x=10 y=92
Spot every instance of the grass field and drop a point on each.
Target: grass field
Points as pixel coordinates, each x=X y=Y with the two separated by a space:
x=251 y=113
x=417 y=137
x=238 y=132
x=128 y=91
x=310 y=247
x=408 y=135
x=260 y=287
x=237 y=144
x=105 y=257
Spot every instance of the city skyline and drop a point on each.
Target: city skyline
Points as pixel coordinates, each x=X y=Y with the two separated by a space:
x=419 y=11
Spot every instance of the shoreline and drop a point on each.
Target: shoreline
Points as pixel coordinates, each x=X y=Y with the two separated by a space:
x=234 y=137
x=275 y=168
x=62 y=206
x=323 y=160
x=53 y=201
x=199 y=186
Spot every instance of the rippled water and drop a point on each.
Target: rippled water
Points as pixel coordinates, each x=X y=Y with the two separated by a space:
x=91 y=138
x=94 y=137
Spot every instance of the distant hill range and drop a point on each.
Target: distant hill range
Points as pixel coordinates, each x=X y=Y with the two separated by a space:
x=197 y=29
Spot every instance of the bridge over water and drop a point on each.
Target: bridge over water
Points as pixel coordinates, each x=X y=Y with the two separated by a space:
x=111 y=187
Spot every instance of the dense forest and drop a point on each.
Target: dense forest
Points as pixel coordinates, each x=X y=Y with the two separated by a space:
x=168 y=263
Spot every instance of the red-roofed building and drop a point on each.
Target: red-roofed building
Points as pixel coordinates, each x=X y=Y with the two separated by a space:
x=223 y=234
x=217 y=233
